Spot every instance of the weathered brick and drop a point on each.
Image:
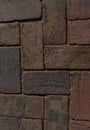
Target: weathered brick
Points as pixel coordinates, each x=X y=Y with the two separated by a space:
x=54 y=21
x=79 y=125
x=32 y=45
x=46 y=83
x=12 y=106
x=34 y=107
x=80 y=95
x=67 y=57
x=9 y=70
x=9 y=34
x=56 y=113
x=19 y=10
x=28 y=124
x=78 y=9
x=9 y=123
x=79 y=32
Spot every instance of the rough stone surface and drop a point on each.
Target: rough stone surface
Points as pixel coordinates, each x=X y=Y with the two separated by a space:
x=19 y=10
x=12 y=106
x=46 y=83
x=32 y=45
x=67 y=57
x=9 y=70
x=34 y=107
x=9 y=34
x=79 y=125
x=80 y=96
x=9 y=123
x=54 y=22
x=78 y=9
x=56 y=113
x=28 y=124
x=79 y=32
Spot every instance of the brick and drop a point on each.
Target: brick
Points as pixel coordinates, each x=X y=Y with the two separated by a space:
x=67 y=57
x=9 y=34
x=46 y=83
x=19 y=10
x=79 y=125
x=32 y=45
x=54 y=22
x=79 y=32
x=9 y=123
x=78 y=9
x=12 y=106
x=56 y=113
x=80 y=95
x=28 y=124
x=34 y=107
x=9 y=70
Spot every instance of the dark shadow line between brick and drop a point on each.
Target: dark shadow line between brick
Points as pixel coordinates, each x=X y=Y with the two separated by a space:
x=77 y=19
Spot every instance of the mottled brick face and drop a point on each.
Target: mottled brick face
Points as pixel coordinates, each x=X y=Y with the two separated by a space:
x=9 y=70
x=19 y=10
x=46 y=83
x=80 y=96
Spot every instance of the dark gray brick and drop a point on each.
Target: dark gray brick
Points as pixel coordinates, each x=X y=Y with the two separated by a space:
x=46 y=83
x=9 y=70
x=9 y=123
x=19 y=10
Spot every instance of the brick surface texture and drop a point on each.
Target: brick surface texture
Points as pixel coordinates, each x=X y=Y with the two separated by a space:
x=45 y=65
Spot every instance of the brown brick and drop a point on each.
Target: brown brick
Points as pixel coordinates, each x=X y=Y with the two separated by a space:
x=34 y=107
x=9 y=34
x=79 y=125
x=67 y=57
x=78 y=9
x=9 y=123
x=28 y=124
x=46 y=83
x=54 y=21
x=32 y=45
x=79 y=32
x=80 y=96
x=9 y=70
x=12 y=106
x=19 y=10
x=56 y=112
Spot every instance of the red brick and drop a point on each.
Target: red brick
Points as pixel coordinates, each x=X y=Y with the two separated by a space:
x=80 y=96
x=9 y=34
x=19 y=10
x=28 y=124
x=79 y=32
x=79 y=125
x=32 y=45
x=78 y=9
x=54 y=22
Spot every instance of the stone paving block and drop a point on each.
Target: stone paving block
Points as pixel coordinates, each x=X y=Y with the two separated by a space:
x=67 y=57
x=79 y=125
x=79 y=32
x=34 y=107
x=80 y=96
x=31 y=124
x=46 y=82
x=9 y=123
x=9 y=34
x=54 y=22
x=9 y=70
x=12 y=106
x=32 y=45
x=19 y=10
x=56 y=112
x=78 y=9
